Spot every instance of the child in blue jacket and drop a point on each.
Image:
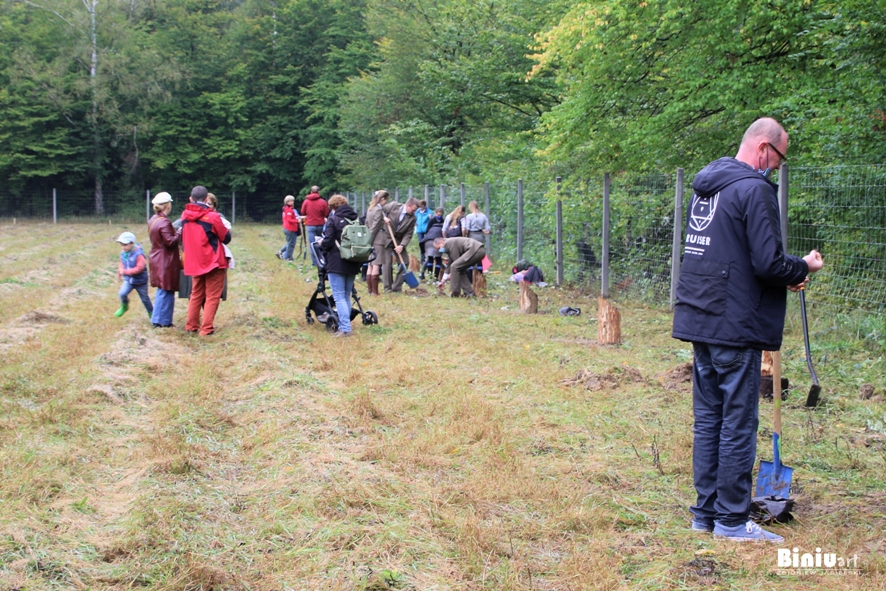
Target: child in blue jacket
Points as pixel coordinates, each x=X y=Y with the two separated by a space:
x=133 y=269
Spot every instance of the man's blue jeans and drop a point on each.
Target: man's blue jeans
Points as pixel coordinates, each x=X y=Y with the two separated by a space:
x=341 y=292
x=291 y=238
x=142 y=290
x=164 y=305
x=313 y=233
x=725 y=401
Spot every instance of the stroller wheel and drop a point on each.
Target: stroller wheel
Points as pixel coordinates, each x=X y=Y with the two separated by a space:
x=331 y=324
x=369 y=318
x=310 y=320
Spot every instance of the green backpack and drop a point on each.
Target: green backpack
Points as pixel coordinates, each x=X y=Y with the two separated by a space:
x=356 y=243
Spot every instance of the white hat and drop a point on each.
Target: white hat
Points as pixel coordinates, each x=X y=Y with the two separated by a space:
x=162 y=198
x=126 y=238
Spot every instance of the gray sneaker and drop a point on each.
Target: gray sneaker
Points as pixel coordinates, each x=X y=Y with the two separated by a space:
x=339 y=334
x=705 y=526
x=749 y=532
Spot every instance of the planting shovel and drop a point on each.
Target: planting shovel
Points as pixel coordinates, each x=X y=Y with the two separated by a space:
x=774 y=478
x=815 y=389
x=408 y=275
x=304 y=241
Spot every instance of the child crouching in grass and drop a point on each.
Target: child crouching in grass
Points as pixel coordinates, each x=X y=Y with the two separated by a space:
x=133 y=270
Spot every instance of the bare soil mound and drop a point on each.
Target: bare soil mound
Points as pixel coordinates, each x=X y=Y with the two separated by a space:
x=610 y=379
x=679 y=378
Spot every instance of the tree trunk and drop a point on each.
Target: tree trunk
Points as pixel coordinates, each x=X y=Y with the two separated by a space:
x=608 y=323
x=96 y=135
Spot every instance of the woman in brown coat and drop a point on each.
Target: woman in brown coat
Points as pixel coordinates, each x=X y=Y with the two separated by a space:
x=165 y=263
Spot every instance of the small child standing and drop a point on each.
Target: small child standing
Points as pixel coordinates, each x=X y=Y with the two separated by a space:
x=133 y=270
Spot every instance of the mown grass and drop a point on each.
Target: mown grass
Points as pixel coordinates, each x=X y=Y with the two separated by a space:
x=442 y=449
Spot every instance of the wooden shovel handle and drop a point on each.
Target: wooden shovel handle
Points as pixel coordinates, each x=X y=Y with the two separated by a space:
x=776 y=391
x=394 y=240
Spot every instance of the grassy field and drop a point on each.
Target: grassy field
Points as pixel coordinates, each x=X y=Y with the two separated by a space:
x=458 y=445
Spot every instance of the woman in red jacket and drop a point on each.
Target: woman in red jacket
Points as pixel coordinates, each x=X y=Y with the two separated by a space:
x=290 y=229
x=165 y=264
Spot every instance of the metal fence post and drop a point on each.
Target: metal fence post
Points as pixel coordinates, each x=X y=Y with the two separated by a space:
x=519 y=219
x=462 y=194
x=604 y=276
x=678 y=238
x=233 y=207
x=559 y=236
x=410 y=191
x=783 y=204
x=488 y=236
x=148 y=205
x=54 y=208
x=428 y=196
x=397 y=194
x=363 y=202
x=442 y=195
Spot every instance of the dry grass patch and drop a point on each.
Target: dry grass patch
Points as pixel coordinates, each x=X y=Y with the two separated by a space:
x=440 y=449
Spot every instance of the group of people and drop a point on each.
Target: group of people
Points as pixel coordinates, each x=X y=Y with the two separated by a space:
x=314 y=212
x=191 y=249
x=730 y=298
x=392 y=226
x=461 y=238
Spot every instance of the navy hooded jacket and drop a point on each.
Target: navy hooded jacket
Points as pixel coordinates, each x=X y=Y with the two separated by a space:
x=732 y=283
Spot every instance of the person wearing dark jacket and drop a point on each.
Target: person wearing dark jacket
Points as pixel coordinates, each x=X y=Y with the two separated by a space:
x=165 y=262
x=341 y=272
x=730 y=304
x=203 y=237
x=315 y=211
x=432 y=259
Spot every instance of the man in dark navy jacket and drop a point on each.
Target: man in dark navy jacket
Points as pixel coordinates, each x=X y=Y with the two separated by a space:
x=731 y=305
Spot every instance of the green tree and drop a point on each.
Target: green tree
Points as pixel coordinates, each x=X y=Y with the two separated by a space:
x=665 y=84
x=98 y=73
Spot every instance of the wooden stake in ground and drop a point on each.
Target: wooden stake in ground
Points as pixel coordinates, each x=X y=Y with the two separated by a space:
x=608 y=323
x=528 y=299
x=479 y=284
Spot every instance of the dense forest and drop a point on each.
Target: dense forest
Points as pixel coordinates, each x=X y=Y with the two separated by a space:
x=277 y=95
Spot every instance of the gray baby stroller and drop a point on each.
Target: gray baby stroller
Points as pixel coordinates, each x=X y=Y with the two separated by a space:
x=322 y=305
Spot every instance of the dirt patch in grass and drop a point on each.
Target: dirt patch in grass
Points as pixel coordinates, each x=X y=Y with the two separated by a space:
x=679 y=378
x=40 y=318
x=612 y=378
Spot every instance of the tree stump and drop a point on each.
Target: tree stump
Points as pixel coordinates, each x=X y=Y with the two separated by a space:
x=528 y=299
x=608 y=323
x=766 y=365
x=479 y=284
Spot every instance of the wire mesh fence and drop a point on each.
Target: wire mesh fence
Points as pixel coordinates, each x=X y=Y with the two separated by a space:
x=840 y=211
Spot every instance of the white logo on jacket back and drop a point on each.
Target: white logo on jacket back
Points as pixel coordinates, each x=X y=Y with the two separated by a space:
x=702 y=212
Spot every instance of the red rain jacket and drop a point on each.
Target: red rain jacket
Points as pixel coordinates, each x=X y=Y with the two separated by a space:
x=203 y=234
x=290 y=219
x=315 y=209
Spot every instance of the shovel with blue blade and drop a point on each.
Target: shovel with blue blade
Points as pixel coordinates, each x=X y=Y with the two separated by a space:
x=774 y=478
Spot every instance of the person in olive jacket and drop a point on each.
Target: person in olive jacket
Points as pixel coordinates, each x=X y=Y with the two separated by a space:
x=165 y=263
x=341 y=272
